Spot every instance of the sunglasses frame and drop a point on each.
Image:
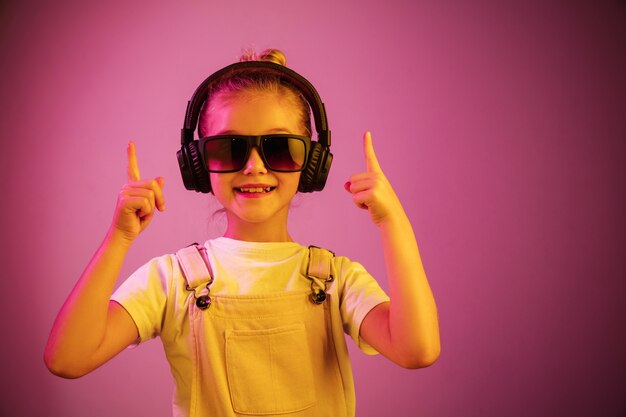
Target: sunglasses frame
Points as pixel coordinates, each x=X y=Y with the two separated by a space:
x=254 y=140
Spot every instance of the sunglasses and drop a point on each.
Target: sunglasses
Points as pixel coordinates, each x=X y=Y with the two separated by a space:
x=279 y=152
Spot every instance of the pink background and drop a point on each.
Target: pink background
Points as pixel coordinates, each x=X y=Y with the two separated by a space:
x=501 y=125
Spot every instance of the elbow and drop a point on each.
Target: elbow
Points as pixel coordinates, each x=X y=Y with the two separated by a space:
x=63 y=369
x=418 y=359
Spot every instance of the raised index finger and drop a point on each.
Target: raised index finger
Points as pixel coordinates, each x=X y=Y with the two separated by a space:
x=371 y=162
x=133 y=168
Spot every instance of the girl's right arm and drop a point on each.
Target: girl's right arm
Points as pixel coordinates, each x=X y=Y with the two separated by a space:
x=90 y=329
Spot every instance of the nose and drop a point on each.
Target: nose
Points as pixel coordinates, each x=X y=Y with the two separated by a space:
x=255 y=164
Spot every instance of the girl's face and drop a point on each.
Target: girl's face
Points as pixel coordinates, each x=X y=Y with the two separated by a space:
x=244 y=196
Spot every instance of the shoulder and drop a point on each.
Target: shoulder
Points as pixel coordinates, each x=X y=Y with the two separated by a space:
x=157 y=273
x=352 y=277
x=341 y=265
x=162 y=271
x=345 y=266
x=162 y=265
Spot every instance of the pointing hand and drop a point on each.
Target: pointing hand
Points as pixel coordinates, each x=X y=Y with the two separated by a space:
x=370 y=189
x=137 y=200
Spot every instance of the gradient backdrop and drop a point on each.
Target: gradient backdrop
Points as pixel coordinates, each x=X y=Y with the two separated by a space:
x=501 y=125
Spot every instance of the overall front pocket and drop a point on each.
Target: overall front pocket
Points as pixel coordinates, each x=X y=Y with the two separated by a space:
x=269 y=370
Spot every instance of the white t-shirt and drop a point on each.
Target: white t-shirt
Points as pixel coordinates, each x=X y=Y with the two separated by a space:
x=157 y=299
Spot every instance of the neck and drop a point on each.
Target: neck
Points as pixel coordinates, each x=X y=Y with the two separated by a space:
x=268 y=231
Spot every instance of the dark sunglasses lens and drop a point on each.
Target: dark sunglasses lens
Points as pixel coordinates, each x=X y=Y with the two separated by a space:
x=284 y=153
x=225 y=154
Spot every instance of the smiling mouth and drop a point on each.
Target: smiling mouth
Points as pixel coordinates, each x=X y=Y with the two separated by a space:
x=253 y=190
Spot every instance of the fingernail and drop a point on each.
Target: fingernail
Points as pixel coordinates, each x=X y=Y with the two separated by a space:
x=347 y=186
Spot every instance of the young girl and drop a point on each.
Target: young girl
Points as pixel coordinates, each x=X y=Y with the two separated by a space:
x=252 y=323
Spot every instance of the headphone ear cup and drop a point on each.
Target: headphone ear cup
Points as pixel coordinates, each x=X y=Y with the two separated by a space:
x=195 y=177
x=314 y=175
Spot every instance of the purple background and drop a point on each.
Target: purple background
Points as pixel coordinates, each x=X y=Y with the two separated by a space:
x=501 y=125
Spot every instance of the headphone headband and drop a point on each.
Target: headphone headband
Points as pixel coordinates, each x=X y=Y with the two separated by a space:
x=296 y=80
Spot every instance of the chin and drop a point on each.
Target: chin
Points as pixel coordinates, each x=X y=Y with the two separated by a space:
x=255 y=217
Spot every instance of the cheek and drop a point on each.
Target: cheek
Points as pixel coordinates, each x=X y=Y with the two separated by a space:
x=291 y=181
x=220 y=184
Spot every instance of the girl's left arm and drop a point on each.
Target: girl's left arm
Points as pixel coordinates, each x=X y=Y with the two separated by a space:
x=406 y=329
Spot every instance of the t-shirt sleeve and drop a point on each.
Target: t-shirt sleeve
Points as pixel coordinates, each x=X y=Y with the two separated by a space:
x=144 y=295
x=360 y=293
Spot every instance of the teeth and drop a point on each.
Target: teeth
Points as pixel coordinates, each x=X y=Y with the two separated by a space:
x=255 y=189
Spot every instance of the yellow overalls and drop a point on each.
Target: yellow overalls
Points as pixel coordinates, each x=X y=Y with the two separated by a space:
x=265 y=354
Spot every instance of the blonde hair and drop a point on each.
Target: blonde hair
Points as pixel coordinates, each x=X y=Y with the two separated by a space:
x=269 y=55
x=252 y=82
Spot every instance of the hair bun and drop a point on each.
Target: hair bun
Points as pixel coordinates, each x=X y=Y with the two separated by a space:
x=269 y=55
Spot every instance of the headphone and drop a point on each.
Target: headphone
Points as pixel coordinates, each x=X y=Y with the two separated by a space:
x=312 y=177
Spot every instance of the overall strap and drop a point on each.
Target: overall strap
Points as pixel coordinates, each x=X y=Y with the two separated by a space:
x=319 y=272
x=196 y=268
